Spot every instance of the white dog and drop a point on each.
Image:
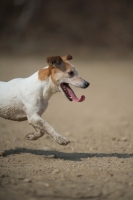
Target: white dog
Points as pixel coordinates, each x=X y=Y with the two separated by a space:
x=27 y=98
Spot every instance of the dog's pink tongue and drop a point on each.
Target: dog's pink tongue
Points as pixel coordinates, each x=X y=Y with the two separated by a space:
x=73 y=96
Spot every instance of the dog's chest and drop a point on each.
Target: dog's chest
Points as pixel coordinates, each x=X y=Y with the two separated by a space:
x=41 y=106
x=13 y=113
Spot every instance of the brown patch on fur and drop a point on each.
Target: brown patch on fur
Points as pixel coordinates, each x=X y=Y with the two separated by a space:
x=54 y=71
x=57 y=60
x=68 y=66
x=43 y=74
x=56 y=66
x=67 y=57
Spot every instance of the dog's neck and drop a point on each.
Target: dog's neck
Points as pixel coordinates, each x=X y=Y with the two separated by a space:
x=49 y=89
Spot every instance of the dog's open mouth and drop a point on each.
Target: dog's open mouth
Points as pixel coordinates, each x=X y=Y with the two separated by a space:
x=70 y=94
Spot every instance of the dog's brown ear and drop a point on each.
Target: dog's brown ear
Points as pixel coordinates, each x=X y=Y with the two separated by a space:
x=54 y=60
x=68 y=57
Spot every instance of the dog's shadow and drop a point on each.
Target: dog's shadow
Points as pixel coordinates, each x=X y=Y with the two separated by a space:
x=66 y=156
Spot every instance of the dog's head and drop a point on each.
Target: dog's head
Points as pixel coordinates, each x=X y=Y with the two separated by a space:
x=63 y=73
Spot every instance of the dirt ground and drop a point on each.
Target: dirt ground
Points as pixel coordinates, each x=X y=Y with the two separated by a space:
x=98 y=163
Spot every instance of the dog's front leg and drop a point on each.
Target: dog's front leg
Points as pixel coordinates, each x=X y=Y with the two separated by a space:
x=34 y=136
x=40 y=125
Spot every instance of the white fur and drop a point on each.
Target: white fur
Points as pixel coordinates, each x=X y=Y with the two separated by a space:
x=25 y=94
x=27 y=98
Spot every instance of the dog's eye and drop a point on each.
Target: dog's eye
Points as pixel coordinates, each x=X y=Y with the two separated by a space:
x=71 y=73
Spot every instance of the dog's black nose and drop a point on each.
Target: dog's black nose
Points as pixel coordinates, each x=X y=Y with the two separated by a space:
x=86 y=84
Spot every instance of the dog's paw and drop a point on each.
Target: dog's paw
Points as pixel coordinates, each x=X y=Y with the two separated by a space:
x=30 y=136
x=62 y=141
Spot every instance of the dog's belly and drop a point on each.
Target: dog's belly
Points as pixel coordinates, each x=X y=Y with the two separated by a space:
x=13 y=113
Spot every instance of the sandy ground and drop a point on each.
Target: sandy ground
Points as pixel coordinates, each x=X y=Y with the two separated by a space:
x=98 y=163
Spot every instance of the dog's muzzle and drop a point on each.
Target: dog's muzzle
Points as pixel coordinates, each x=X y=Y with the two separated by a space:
x=86 y=84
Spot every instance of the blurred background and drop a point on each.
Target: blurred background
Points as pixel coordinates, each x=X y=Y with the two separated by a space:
x=90 y=28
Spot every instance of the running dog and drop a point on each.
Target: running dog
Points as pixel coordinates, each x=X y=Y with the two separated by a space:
x=27 y=98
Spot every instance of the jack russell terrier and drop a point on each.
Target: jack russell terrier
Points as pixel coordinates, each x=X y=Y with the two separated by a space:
x=27 y=98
